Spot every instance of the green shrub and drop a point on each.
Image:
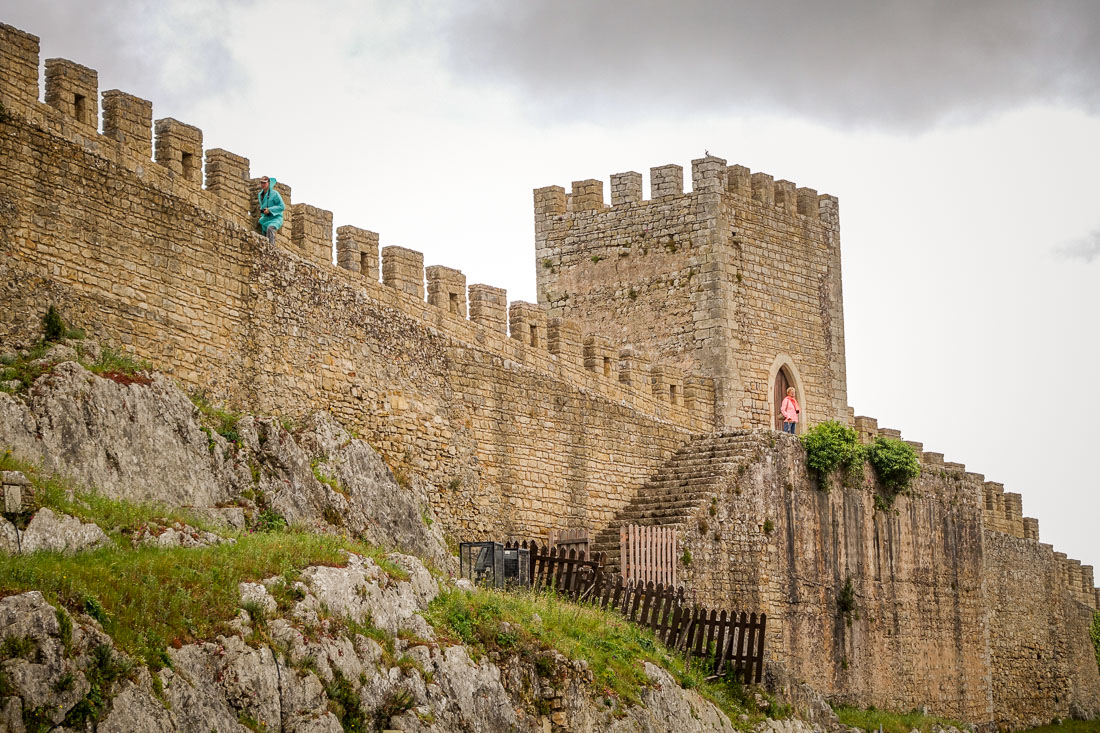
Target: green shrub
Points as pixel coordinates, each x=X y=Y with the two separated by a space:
x=846 y=601
x=830 y=446
x=895 y=463
x=53 y=327
x=270 y=520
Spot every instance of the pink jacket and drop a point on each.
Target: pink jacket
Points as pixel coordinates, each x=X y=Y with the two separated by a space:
x=789 y=409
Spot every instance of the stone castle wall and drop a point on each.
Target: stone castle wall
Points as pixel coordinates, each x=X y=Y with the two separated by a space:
x=736 y=278
x=519 y=430
x=955 y=607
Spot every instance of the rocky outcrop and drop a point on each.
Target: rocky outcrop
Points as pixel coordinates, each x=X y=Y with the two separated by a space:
x=310 y=670
x=60 y=533
x=143 y=440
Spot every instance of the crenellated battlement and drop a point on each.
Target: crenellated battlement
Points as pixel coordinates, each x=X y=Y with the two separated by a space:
x=169 y=154
x=1002 y=511
x=709 y=175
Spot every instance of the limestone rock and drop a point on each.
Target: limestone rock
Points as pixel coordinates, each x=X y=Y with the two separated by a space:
x=9 y=537
x=146 y=443
x=191 y=685
x=135 y=710
x=130 y=441
x=60 y=533
x=362 y=590
x=251 y=680
x=178 y=535
x=358 y=490
x=36 y=676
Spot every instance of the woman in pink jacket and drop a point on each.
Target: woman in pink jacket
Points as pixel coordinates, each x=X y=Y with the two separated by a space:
x=790 y=411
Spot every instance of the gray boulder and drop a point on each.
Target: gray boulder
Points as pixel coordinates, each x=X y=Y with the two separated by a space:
x=60 y=533
x=140 y=442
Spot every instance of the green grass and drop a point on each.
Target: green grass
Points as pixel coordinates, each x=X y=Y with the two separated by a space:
x=1069 y=726
x=110 y=364
x=150 y=597
x=614 y=649
x=147 y=598
x=870 y=719
x=112 y=515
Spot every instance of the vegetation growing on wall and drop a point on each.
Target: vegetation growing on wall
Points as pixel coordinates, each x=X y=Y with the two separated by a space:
x=831 y=446
x=895 y=463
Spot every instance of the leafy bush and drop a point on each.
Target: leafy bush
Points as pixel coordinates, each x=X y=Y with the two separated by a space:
x=53 y=328
x=846 y=601
x=829 y=446
x=895 y=463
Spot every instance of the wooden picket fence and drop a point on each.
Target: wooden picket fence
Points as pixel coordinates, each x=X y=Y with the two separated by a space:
x=722 y=639
x=648 y=554
x=570 y=539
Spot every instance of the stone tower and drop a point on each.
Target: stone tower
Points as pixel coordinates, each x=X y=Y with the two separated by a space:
x=738 y=279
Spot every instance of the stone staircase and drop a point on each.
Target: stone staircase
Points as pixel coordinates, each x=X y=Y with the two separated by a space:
x=673 y=495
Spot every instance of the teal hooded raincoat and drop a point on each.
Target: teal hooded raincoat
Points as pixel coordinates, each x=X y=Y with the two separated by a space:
x=273 y=202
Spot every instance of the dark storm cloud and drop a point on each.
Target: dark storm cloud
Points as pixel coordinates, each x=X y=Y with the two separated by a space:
x=897 y=63
x=143 y=47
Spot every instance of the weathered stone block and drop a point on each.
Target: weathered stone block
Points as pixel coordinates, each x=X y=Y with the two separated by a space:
x=527 y=324
x=357 y=251
x=403 y=270
x=447 y=289
x=179 y=149
x=18 y=68
x=73 y=90
x=129 y=120
x=488 y=306
x=311 y=233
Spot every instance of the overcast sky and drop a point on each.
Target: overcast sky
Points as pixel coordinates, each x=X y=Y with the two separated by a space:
x=963 y=140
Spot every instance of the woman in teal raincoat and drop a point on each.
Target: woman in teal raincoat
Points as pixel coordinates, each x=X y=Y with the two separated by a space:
x=271 y=208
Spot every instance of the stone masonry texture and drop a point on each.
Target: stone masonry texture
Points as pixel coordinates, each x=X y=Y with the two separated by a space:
x=637 y=390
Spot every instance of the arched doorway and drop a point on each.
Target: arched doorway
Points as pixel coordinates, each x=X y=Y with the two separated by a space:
x=782 y=382
x=783 y=373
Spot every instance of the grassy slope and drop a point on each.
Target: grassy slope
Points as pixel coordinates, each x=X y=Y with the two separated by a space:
x=149 y=598
x=146 y=597
x=527 y=623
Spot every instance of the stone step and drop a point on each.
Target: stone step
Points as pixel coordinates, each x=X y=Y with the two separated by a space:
x=709 y=469
x=683 y=493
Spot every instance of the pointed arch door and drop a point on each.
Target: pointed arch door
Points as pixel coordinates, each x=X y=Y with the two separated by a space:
x=781 y=384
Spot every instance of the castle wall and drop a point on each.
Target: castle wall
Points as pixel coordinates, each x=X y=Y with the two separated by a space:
x=956 y=605
x=514 y=434
x=916 y=635
x=519 y=420
x=1042 y=663
x=736 y=278
x=508 y=441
